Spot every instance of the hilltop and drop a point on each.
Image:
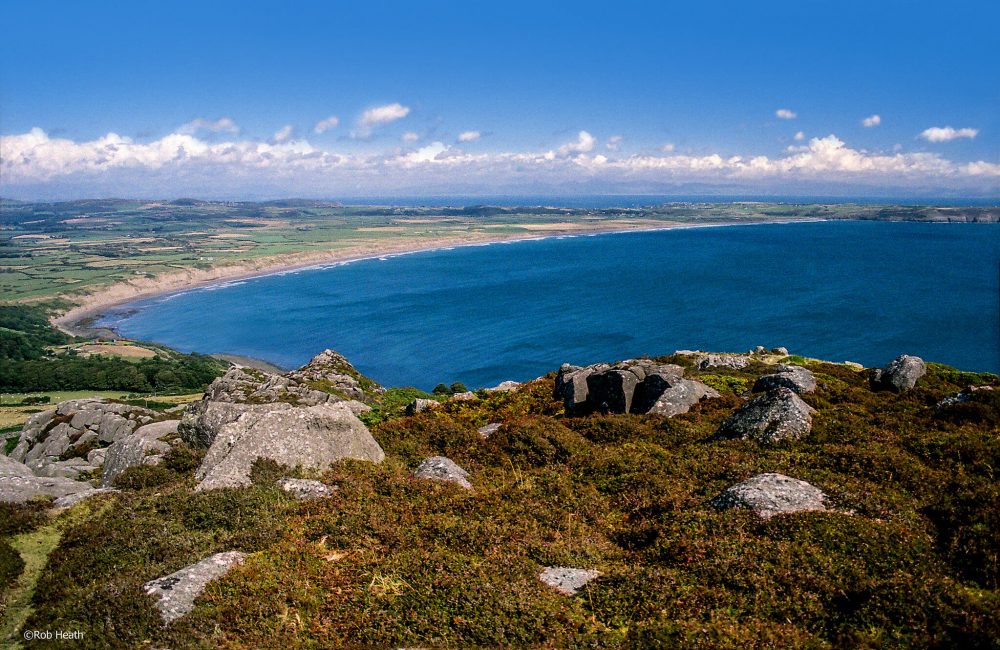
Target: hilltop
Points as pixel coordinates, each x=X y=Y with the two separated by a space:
x=693 y=500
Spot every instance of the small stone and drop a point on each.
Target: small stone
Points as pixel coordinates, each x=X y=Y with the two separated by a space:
x=854 y=365
x=783 y=351
x=567 y=580
x=504 y=387
x=771 y=494
x=900 y=374
x=439 y=468
x=489 y=429
x=306 y=489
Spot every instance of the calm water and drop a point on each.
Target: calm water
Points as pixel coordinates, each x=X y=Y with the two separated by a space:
x=840 y=291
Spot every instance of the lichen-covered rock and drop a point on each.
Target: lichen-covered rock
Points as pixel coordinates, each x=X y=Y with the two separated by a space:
x=567 y=580
x=504 y=387
x=313 y=436
x=203 y=420
x=771 y=494
x=796 y=378
x=732 y=361
x=334 y=374
x=306 y=489
x=488 y=430
x=900 y=374
x=176 y=593
x=439 y=468
x=420 y=405
x=776 y=415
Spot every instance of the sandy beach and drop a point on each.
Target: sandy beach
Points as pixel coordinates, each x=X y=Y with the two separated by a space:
x=90 y=306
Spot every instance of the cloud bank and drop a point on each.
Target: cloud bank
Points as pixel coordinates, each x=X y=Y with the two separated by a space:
x=181 y=163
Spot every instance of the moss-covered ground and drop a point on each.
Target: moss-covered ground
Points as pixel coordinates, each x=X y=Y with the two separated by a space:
x=908 y=555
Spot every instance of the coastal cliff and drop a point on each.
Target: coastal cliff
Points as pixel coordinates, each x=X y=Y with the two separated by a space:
x=692 y=500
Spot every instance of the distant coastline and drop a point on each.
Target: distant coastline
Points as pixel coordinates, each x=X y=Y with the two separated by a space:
x=79 y=319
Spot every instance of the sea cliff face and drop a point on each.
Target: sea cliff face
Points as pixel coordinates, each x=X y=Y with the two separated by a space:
x=722 y=499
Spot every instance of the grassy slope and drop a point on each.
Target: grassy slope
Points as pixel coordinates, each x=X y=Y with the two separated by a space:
x=909 y=557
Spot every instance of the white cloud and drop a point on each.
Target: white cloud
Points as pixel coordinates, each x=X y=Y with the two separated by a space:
x=667 y=148
x=180 y=162
x=469 y=136
x=614 y=142
x=800 y=136
x=584 y=143
x=283 y=133
x=225 y=124
x=383 y=115
x=786 y=114
x=326 y=124
x=871 y=120
x=410 y=136
x=946 y=133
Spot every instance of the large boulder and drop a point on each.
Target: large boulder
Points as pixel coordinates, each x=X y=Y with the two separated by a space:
x=900 y=374
x=796 y=378
x=144 y=447
x=313 y=436
x=175 y=593
x=776 y=415
x=203 y=420
x=771 y=494
x=439 y=468
x=632 y=386
x=669 y=394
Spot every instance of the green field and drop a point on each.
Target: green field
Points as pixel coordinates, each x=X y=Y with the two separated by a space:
x=56 y=250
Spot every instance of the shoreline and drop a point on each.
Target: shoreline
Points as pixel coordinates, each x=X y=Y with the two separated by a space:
x=79 y=319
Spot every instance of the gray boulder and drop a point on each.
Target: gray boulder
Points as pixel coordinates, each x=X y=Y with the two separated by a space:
x=504 y=387
x=420 y=405
x=900 y=374
x=668 y=393
x=439 y=468
x=313 y=436
x=776 y=415
x=176 y=593
x=567 y=580
x=306 y=489
x=632 y=386
x=797 y=378
x=771 y=494
x=144 y=447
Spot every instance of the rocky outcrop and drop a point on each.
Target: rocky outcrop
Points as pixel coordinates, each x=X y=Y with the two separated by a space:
x=900 y=374
x=567 y=580
x=144 y=447
x=776 y=415
x=731 y=361
x=203 y=420
x=504 y=387
x=18 y=484
x=771 y=494
x=439 y=468
x=58 y=442
x=796 y=378
x=312 y=437
x=306 y=489
x=175 y=593
x=633 y=386
x=336 y=375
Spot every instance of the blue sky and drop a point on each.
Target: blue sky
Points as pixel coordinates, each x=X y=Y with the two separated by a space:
x=224 y=99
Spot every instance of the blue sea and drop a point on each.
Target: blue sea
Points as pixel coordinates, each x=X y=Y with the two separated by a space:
x=859 y=291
